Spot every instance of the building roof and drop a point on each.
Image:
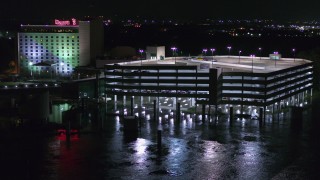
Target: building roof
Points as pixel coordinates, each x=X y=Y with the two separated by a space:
x=227 y=63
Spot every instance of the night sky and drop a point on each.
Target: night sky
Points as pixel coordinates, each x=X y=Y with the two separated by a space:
x=177 y=9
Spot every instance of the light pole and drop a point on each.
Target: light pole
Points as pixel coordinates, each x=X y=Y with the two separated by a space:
x=239 y=55
x=62 y=64
x=294 y=54
x=173 y=53
x=205 y=51
x=55 y=68
x=275 y=59
x=229 y=48
x=30 y=64
x=141 y=51
x=212 y=51
x=260 y=49
x=252 y=56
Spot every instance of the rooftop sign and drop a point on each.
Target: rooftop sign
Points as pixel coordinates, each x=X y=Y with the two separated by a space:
x=72 y=22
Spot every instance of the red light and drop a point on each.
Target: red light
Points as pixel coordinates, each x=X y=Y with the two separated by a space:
x=62 y=134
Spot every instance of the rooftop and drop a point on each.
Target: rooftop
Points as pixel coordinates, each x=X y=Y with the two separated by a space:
x=227 y=63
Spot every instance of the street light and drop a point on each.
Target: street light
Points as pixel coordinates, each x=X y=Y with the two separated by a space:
x=55 y=69
x=275 y=59
x=239 y=55
x=212 y=51
x=205 y=51
x=173 y=53
x=252 y=56
x=30 y=64
x=141 y=51
x=294 y=54
x=62 y=64
x=229 y=48
x=260 y=49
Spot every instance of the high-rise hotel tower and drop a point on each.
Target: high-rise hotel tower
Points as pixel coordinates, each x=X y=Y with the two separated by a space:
x=57 y=49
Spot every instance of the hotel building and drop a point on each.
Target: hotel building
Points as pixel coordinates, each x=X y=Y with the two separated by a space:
x=58 y=49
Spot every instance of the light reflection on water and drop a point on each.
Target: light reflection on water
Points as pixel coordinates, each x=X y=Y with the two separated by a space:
x=191 y=150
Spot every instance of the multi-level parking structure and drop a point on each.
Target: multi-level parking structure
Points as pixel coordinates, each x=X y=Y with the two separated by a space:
x=244 y=81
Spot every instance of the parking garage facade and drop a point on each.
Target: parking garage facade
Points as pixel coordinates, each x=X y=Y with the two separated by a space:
x=214 y=87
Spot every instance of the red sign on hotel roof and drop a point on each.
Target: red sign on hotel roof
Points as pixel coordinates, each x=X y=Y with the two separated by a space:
x=72 y=22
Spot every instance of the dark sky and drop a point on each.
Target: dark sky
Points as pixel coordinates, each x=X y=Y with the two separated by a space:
x=181 y=9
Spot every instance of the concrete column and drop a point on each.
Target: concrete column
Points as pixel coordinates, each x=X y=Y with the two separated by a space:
x=141 y=100
x=278 y=109
x=303 y=97
x=209 y=113
x=203 y=112
x=174 y=103
x=154 y=110
x=131 y=111
x=195 y=112
x=261 y=113
x=264 y=114
x=178 y=113
x=193 y=102
x=140 y=107
x=231 y=116
x=159 y=141
x=115 y=102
